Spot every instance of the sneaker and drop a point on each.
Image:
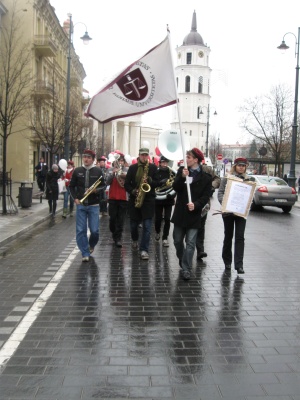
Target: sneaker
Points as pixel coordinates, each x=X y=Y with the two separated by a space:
x=91 y=249
x=134 y=245
x=157 y=237
x=104 y=213
x=118 y=243
x=186 y=275
x=85 y=259
x=165 y=243
x=144 y=255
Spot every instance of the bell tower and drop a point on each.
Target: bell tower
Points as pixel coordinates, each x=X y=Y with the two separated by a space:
x=192 y=75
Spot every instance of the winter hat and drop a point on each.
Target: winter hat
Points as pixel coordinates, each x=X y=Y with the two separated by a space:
x=88 y=152
x=197 y=154
x=241 y=160
x=55 y=167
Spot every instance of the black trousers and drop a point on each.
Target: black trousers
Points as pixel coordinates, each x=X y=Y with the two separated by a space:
x=201 y=235
x=234 y=225
x=41 y=183
x=159 y=210
x=117 y=211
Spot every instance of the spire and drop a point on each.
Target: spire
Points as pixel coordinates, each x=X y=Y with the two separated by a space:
x=193 y=38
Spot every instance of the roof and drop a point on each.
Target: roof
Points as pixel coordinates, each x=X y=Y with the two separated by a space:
x=193 y=38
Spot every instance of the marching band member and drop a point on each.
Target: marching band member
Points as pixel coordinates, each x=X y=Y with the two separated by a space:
x=201 y=231
x=117 y=198
x=102 y=195
x=85 y=185
x=163 y=206
x=67 y=178
x=140 y=183
x=187 y=215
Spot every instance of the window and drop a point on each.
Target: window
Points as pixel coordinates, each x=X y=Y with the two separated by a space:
x=199 y=112
x=200 y=84
x=187 y=84
x=177 y=82
x=189 y=58
x=190 y=132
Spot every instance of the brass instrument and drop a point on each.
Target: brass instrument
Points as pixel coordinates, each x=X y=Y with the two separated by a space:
x=162 y=191
x=143 y=188
x=120 y=176
x=90 y=189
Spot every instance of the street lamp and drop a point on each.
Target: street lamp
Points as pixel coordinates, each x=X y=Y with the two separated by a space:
x=292 y=175
x=86 y=38
x=207 y=126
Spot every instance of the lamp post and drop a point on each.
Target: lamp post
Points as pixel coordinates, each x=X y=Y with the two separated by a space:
x=207 y=127
x=86 y=38
x=283 y=46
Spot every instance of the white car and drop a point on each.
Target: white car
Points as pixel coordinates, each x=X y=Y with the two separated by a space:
x=273 y=191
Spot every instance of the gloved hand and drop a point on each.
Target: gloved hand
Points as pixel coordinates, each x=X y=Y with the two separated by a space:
x=163 y=181
x=134 y=192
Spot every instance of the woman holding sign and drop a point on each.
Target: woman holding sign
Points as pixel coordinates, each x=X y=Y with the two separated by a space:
x=234 y=223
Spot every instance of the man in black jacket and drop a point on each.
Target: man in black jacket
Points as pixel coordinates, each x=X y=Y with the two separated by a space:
x=187 y=214
x=141 y=211
x=164 y=200
x=87 y=211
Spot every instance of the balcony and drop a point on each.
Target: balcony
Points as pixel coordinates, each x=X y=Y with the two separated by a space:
x=44 y=46
x=43 y=90
x=74 y=81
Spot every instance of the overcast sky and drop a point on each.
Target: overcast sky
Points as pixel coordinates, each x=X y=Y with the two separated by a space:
x=243 y=37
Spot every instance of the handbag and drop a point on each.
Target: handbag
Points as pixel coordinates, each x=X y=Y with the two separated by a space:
x=61 y=186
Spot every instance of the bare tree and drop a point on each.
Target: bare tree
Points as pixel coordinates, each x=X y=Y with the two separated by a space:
x=15 y=80
x=268 y=118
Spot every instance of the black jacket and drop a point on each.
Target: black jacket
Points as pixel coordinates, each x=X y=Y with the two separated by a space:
x=52 y=185
x=200 y=193
x=147 y=209
x=81 y=180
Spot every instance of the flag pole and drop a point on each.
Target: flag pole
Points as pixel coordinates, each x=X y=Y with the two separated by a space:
x=179 y=119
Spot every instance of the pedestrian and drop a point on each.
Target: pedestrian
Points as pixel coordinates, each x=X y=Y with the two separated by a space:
x=187 y=215
x=233 y=224
x=102 y=195
x=201 y=253
x=52 y=188
x=117 y=198
x=299 y=184
x=85 y=185
x=41 y=170
x=285 y=178
x=67 y=178
x=164 y=203
x=140 y=183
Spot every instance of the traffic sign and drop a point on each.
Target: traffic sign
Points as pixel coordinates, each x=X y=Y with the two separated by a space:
x=219 y=156
x=225 y=161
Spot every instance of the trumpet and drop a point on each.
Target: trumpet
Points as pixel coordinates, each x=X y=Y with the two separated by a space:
x=90 y=189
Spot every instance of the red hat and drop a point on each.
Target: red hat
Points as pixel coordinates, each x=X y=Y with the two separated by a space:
x=197 y=154
x=88 y=152
x=241 y=160
x=101 y=159
x=71 y=162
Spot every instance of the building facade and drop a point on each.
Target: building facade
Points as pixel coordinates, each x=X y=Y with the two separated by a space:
x=192 y=74
x=44 y=115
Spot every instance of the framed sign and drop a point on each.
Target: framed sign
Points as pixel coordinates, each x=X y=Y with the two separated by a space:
x=238 y=197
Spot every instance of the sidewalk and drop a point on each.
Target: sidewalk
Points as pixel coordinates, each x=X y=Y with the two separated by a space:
x=14 y=225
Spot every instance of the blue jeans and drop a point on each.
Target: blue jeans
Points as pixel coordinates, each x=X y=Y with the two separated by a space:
x=146 y=232
x=185 y=253
x=66 y=198
x=87 y=216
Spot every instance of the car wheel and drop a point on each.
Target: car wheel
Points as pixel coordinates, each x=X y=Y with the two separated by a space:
x=286 y=209
x=255 y=207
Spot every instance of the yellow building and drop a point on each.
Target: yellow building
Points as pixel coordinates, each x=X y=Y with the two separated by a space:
x=45 y=114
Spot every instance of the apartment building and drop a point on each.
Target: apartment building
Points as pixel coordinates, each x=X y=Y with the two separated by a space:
x=48 y=46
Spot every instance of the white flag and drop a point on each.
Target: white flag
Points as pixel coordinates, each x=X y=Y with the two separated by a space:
x=146 y=85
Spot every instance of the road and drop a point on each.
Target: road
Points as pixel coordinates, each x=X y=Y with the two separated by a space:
x=120 y=327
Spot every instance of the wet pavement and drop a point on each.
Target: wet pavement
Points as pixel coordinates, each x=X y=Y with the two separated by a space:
x=120 y=327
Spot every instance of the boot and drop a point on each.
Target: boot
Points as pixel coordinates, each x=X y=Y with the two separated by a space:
x=71 y=212
x=50 y=206
x=64 y=215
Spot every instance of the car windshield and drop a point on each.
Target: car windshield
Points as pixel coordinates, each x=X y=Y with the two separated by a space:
x=271 y=180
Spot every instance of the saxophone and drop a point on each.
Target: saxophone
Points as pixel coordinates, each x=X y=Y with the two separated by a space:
x=143 y=188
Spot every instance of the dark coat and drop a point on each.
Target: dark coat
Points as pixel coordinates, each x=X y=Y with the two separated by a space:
x=78 y=184
x=163 y=174
x=148 y=207
x=52 y=185
x=200 y=192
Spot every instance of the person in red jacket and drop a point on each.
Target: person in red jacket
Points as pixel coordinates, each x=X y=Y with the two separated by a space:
x=117 y=198
x=67 y=178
